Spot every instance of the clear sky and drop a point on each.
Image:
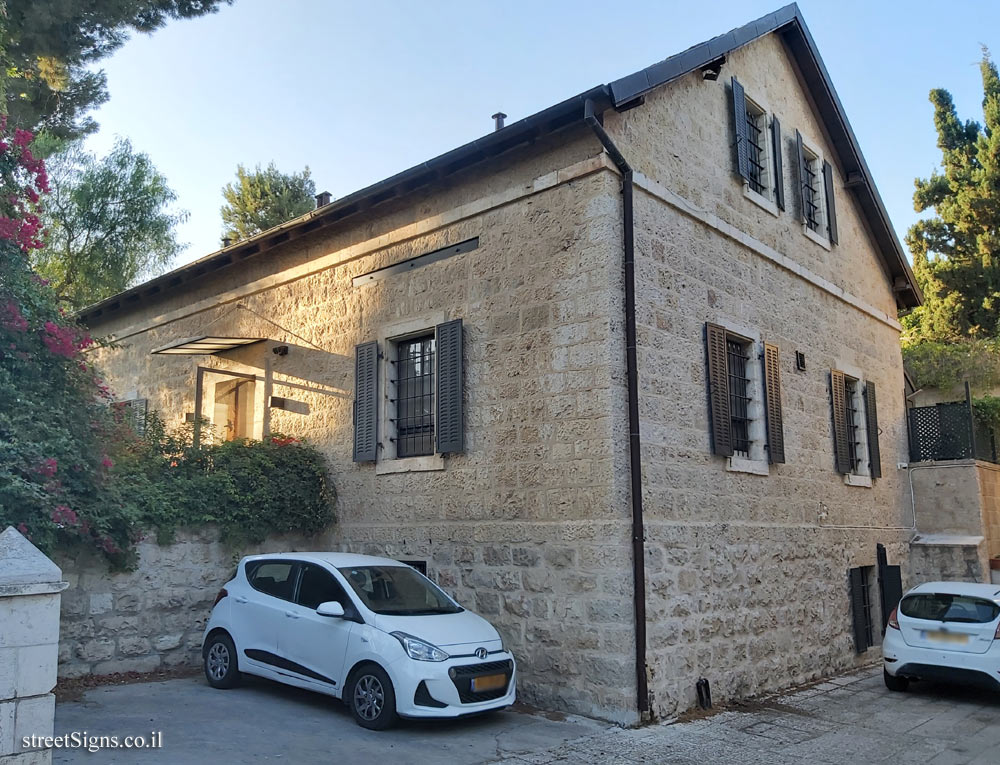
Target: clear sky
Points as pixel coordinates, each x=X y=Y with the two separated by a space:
x=359 y=91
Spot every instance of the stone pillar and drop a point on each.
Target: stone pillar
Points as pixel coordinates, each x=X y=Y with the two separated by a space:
x=30 y=585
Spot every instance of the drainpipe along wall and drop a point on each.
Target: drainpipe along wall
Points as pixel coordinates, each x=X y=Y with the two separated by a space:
x=632 y=388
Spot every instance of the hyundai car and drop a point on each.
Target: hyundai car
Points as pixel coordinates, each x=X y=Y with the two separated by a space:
x=371 y=631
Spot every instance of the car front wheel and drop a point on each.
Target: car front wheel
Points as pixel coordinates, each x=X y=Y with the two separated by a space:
x=220 y=662
x=372 y=699
x=895 y=683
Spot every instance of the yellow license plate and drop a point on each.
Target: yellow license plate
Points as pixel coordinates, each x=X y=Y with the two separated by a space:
x=947 y=637
x=488 y=683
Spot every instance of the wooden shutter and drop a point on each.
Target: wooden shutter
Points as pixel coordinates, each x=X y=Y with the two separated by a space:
x=450 y=420
x=838 y=398
x=740 y=115
x=366 y=402
x=772 y=397
x=831 y=205
x=892 y=591
x=779 y=178
x=718 y=390
x=801 y=157
x=858 y=611
x=871 y=417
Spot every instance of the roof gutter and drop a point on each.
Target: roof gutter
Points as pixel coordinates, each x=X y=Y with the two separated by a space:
x=632 y=393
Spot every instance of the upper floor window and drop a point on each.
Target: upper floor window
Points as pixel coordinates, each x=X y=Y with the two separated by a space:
x=816 y=194
x=855 y=428
x=744 y=400
x=758 y=151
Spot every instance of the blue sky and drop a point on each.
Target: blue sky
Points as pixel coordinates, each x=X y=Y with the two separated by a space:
x=359 y=91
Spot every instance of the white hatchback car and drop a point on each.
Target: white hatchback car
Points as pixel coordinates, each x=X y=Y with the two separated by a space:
x=371 y=631
x=944 y=631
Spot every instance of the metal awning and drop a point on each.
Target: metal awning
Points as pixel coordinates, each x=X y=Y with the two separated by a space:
x=204 y=345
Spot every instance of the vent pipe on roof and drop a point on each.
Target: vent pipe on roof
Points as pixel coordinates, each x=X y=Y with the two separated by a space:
x=323 y=199
x=498 y=119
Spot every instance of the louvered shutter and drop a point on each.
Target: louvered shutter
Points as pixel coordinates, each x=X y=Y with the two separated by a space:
x=366 y=402
x=838 y=397
x=892 y=591
x=831 y=205
x=858 y=611
x=740 y=115
x=450 y=420
x=718 y=390
x=801 y=157
x=779 y=179
x=772 y=397
x=871 y=417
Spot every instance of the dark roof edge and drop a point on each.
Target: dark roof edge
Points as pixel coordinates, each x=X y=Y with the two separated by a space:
x=788 y=21
x=512 y=136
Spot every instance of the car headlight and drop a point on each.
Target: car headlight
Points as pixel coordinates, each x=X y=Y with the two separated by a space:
x=419 y=649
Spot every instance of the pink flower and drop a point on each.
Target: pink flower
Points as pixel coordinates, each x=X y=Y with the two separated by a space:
x=48 y=467
x=22 y=138
x=109 y=546
x=14 y=319
x=23 y=529
x=64 y=516
x=106 y=462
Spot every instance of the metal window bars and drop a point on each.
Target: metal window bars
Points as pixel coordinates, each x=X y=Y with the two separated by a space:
x=853 y=428
x=414 y=403
x=755 y=150
x=810 y=193
x=739 y=399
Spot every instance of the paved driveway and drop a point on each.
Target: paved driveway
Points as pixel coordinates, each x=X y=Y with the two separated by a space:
x=849 y=720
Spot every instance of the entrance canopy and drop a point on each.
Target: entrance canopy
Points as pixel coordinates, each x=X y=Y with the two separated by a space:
x=205 y=345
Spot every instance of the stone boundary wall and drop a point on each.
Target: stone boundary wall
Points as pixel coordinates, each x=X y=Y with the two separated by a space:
x=147 y=619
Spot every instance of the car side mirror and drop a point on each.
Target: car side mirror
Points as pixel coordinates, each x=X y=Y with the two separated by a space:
x=330 y=608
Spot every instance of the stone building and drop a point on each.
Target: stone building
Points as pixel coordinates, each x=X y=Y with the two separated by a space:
x=610 y=371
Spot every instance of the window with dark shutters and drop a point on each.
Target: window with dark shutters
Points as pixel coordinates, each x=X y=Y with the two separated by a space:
x=772 y=395
x=133 y=411
x=871 y=421
x=450 y=373
x=891 y=589
x=779 y=181
x=366 y=402
x=800 y=156
x=831 y=210
x=718 y=390
x=861 y=610
x=838 y=400
x=740 y=117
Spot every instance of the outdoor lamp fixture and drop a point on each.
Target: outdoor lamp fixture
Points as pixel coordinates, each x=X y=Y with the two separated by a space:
x=711 y=70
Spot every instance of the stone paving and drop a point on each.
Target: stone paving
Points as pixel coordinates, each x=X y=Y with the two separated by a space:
x=848 y=720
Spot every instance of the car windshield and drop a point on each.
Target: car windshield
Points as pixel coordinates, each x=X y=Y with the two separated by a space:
x=398 y=591
x=942 y=607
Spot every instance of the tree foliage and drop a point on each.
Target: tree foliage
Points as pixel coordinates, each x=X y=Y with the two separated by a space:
x=107 y=221
x=261 y=199
x=47 y=49
x=933 y=364
x=956 y=252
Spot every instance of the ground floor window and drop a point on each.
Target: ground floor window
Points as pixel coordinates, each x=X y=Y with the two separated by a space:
x=413 y=381
x=234 y=404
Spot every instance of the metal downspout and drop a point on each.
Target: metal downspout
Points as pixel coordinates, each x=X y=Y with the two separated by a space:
x=632 y=387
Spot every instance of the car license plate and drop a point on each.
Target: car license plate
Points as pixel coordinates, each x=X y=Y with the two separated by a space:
x=488 y=683
x=947 y=637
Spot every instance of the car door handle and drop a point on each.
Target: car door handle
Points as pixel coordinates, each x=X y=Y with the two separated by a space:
x=240 y=599
x=291 y=615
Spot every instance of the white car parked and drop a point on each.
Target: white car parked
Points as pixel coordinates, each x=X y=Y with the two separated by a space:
x=944 y=631
x=371 y=631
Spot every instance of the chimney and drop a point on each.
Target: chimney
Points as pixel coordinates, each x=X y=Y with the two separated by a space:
x=323 y=199
x=498 y=119
x=226 y=241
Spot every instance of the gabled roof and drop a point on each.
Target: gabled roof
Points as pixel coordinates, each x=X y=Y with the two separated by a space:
x=624 y=92
x=789 y=24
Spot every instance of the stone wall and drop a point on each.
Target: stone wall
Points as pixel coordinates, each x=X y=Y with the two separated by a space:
x=529 y=526
x=747 y=573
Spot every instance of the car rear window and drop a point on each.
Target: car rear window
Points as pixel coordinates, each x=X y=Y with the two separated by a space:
x=273 y=578
x=943 y=607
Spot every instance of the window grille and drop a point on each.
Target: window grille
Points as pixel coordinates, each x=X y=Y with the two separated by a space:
x=414 y=403
x=810 y=189
x=756 y=153
x=739 y=399
x=853 y=428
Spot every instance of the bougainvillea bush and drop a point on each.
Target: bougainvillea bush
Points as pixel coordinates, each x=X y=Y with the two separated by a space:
x=71 y=471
